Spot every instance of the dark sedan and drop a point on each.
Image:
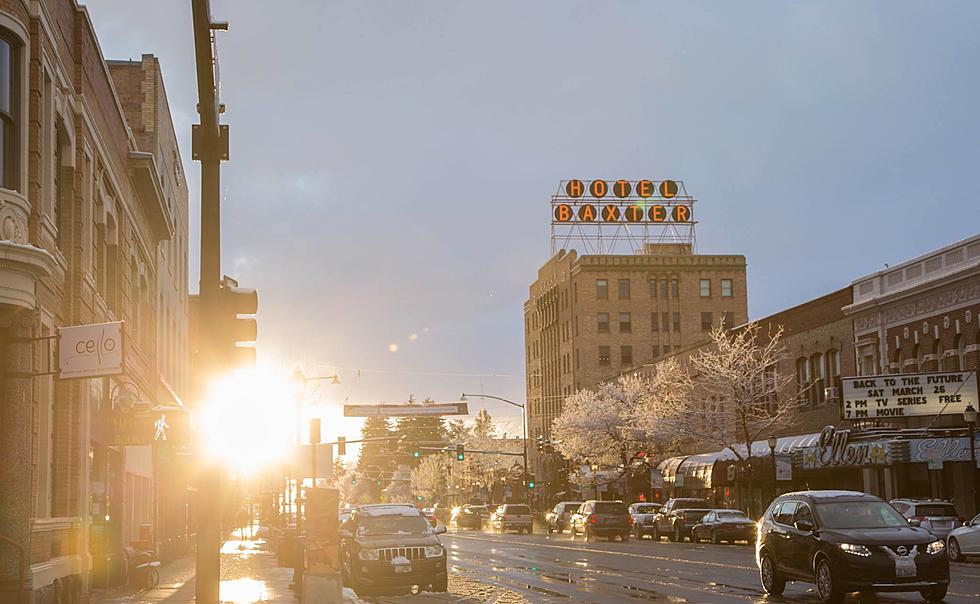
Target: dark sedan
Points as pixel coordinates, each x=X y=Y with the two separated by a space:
x=843 y=541
x=468 y=516
x=724 y=526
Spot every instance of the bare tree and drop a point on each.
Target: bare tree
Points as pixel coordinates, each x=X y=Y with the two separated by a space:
x=737 y=394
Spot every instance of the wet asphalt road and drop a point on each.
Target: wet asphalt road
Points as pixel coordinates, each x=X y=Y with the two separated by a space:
x=554 y=568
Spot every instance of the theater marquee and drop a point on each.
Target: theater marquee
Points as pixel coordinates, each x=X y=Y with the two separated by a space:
x=908 y=395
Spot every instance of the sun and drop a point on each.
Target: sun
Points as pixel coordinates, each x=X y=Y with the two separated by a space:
x=247 y=421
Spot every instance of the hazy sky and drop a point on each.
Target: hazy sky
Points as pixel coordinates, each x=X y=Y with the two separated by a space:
x=392 y=162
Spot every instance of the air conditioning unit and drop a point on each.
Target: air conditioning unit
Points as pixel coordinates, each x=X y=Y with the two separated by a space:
x=832 y=393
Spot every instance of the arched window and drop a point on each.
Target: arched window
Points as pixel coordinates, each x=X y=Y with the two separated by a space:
x=816 y=363
x=9 y=111
x=937 y=354
x=955 y=362
x=833 y=367
x=802 y=377
x=914 y=365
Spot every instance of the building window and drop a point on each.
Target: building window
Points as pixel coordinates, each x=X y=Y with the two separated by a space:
x=816 y=362
x=913 y=364
x=726 y=288
x=604 y=355
x=656 y=351
x=666 y=349
x=676 y=320
x=833 y=367
x=665 y=321
x=9 y=111
x=707 y=321
x=654 y=325
x=957 y=361
x=802 y=378
x=601 y=289
x=624 y=289
x=705 y=286
x=663 y=288
x=626 y=355
x=602 y=322
x=625 y=322
x=653 y=288
x=675 y=288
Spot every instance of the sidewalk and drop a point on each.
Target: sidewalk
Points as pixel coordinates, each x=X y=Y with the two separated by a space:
x=249 y=575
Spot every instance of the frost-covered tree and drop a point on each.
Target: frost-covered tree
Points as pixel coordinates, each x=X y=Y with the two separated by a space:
x=429 y=478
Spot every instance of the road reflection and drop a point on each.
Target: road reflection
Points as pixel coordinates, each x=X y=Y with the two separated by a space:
x=243 y=591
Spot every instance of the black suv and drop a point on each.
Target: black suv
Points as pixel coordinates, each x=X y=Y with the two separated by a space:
x=391 y=546
x=664 y=521
x=844 y=541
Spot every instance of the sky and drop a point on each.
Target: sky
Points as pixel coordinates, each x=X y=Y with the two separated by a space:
x=392 y=162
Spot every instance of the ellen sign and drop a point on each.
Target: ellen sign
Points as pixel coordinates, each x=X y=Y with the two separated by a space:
x=86 y=351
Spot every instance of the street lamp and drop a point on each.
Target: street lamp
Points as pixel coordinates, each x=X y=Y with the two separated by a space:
x=595 y=480
x=523 y=425
x=772 y=455
x=970 y=417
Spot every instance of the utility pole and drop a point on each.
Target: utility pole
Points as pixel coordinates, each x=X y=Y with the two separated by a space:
x=210 y=147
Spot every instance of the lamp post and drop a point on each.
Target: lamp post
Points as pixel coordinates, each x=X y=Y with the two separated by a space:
x=595 y=480
x=970 y=417
x=772 y=455
x=523 y=409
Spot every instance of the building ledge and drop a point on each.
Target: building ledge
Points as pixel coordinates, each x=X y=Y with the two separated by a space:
x=21 y=265
x=143 y=169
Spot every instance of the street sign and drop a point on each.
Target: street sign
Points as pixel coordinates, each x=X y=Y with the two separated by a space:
x=908 y=395
x=86 y=351
x=784 y=467
x=405 y=410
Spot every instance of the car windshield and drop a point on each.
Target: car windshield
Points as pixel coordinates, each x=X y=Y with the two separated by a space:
x=646 y=509
x=609 y=507
x=859 y=514
x=934 y=510
x=732 y=516
x=392 y=524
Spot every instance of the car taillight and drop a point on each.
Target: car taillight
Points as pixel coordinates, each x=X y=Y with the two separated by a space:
x=629 y=519
x=592 y=518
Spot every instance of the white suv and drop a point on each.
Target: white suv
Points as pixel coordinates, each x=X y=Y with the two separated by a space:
x=935 y=515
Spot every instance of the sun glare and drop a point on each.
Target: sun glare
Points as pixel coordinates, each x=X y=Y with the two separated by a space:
x=247 y=422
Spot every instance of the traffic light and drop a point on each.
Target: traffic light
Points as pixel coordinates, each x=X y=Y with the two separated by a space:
x=460 y=453
x=315 y=431
x=353 y=480
x=416 y=453
x=540 y=444
x=234 y=328
x=341 y=446
x=531 y=483
x=418 y=497
x=378 y=482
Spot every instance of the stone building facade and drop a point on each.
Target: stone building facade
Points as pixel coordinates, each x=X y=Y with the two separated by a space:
x=93 y=228
x=589 y=318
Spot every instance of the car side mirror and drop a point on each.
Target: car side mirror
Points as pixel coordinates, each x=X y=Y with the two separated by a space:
x=439 y=529
x=915 y=522
x=345 y=534
x=804 y=525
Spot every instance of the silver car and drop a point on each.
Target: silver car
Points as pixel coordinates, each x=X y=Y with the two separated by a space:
x=964 y=541
x=935 y=515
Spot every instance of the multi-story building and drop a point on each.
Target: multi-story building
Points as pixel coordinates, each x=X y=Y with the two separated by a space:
x=589 y=318
x=93 y=225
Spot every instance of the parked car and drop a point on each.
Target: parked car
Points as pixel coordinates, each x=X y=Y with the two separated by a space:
x=643 y=515
x=512 y=516
x=721 y=526
x=467 y=516
x=663 y=522
x=560 y=517
x=683 y=521
x=391 y=546
x=935 y=515
x=602 y=519
x=844 y=541
x=965 y=540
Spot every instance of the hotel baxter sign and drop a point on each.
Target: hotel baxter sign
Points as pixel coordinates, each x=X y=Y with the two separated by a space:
x=908 y=395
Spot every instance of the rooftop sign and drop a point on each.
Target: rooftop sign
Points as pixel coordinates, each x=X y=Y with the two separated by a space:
x=908 y=395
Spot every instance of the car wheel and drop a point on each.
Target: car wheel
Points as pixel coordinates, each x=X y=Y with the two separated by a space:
x=589 y=536
x=772 y=583
x=636 y=533
x=656 y=533
x=827 y=587
x=954 y=551
x=441 y=584
x=714 y=538
x=934 y=594
x=678 y=535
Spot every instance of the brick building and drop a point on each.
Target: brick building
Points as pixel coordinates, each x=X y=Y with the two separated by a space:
x=93 y=228
x=589 y=318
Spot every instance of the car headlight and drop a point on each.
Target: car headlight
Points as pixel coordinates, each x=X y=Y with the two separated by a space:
x=368 y=554
x=857 y=550
x=434 y=551
x=936 y=547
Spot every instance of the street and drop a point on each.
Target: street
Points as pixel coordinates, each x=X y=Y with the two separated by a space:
x=554 y=568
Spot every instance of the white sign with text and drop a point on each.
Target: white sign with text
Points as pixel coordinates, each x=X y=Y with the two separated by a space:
x=908 y=394
x=86 y=351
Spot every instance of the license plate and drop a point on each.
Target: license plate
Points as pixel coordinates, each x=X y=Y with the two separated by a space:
x=403 y=568
x=905 y=568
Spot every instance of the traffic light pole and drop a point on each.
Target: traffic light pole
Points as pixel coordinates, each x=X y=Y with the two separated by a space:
x=209 y=147
x=527 y=494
